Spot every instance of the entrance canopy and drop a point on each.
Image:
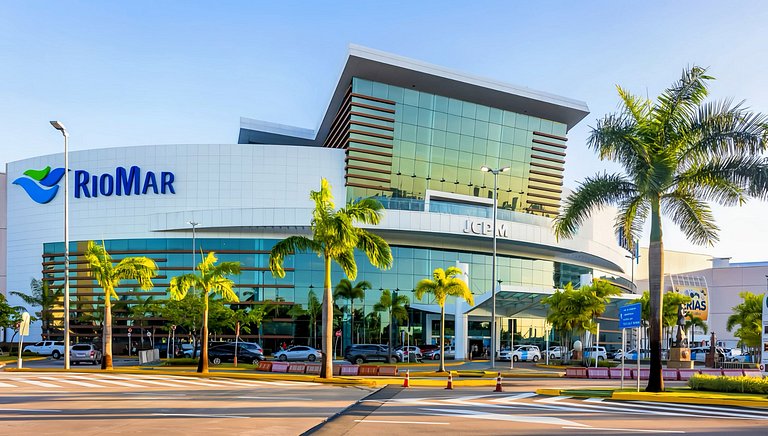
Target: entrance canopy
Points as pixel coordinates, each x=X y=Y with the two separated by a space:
x=526 y=303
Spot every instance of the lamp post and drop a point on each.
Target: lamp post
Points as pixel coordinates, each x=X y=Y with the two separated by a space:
x=495 y=173
x=194 y=245
x=60 y=127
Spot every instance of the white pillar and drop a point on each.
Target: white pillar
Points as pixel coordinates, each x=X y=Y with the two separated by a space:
x=460 y=318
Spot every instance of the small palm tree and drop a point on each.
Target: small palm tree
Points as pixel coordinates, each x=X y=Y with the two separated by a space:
x=211 y=280
x=334 y=239
x=692 y=323
x=350 y=292
x=678 y=154
x=313 y=311
x=748 y=316
x=109 y=276
x=394 y=305
x=443 y=284
x=45 y=298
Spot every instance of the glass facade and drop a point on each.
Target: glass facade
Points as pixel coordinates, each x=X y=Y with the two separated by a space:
x=440 y=143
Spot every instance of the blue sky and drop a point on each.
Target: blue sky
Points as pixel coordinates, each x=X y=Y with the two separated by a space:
x=147 y=72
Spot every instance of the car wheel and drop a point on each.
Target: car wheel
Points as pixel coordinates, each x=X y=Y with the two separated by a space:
x=436 y=357
x=256 y=361
x=216 y=360
x=282 y=358
x=56 y=355
x=514 y=358
x=393 y=360
x=551 y=356
x=359 y=360
x=535 y=358
x=311 y=357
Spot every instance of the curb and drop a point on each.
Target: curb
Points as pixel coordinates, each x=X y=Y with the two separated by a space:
x=675 y=397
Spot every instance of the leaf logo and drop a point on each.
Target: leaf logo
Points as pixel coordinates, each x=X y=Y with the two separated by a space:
x=41 y=185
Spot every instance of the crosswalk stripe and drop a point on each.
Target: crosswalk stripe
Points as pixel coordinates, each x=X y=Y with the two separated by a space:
x=704 y=408
x=552 y=399
x=74 y=382
x=39 y=383
x=108 y=381
x=690 y=410
x=6 y=385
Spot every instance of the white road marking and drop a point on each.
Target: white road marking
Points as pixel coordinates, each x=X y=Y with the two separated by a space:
x=6 y=385
x=630 y=430
x=276 y=398
x=511 y=398
x=375 y=421
x=548 y=420
x=29 y=410
x=703 y=408
x=106 y=380
x=73 y=382
x=39 y=383
x=466 y=400
x=552 y=399
x=594 y=400
x=195 y=415
x=683 y=410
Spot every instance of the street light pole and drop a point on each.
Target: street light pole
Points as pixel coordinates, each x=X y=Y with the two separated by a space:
x=194 y=246
x=495 y=173
x=60 y=127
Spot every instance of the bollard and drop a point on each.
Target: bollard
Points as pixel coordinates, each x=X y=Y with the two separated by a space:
x=407 y=381
x=498 y=384
x=450 y=381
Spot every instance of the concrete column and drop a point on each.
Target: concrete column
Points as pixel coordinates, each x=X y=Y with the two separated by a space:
x=461 y=324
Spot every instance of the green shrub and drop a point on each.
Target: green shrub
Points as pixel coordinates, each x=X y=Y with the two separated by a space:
x=746 y=385
x=602 y=363
x=186 y=361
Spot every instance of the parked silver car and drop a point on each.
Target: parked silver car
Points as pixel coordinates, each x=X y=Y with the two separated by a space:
x=81 y=353
x=298 y=352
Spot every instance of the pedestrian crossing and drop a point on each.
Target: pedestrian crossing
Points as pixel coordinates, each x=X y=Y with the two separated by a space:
x=53 y=381
x=527 y=402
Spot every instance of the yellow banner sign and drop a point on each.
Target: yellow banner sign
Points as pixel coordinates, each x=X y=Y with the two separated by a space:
x=699 y=305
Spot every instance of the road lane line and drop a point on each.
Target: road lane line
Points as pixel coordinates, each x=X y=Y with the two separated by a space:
x=552 y=399
x=108 y=381
x=377 y=421
x=629 y=430
x=511 y=398
x=735 y=414
x=549 y=420
x=6 y=385
x=704 y=408
x=199 y=415
x=276 y=398
x=5 y=409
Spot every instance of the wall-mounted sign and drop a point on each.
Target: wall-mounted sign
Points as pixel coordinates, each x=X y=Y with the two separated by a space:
x=485 y=227
x=699 y=305
x=43 y=185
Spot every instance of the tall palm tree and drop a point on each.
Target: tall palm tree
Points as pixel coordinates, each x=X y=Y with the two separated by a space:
x=211 y=280
x=678 y=153
x=346 y=290
x=334 y=239
x=748 y=316
x=394 y=305
x=45 y=298
x=109 y=276
x=443 y=284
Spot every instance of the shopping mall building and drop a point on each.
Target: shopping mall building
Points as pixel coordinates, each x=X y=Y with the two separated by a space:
x=410 y=134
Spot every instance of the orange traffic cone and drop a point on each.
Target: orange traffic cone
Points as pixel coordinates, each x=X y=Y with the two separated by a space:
x=407 y=381
x=450 y=381
x=498 y=384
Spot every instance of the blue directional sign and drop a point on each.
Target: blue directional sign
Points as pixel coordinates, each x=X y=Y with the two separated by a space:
x=629 y=316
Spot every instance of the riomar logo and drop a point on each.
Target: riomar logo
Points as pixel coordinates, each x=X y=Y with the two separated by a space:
x=41 y=185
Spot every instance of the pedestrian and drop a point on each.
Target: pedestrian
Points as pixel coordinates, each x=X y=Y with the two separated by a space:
x=473 y=352
x=283 y=346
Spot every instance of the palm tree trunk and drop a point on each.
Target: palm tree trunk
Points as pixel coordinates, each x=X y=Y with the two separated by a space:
x=389 y=338
x=655 y=303
x=106 y=361
x=326 y=371
x=202 y=365
x=441 y=368
x=352 y=331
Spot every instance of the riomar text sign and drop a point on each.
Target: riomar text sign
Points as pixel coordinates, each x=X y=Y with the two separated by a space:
x=485 y=227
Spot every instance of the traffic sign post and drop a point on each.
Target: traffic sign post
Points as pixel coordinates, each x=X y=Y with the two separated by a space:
x=130 y=345
x=629 y=317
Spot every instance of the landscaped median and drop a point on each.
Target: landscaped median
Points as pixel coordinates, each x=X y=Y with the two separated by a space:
x=672 y=395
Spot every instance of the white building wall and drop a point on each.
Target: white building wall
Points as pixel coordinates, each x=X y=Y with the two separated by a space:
x=209 y=179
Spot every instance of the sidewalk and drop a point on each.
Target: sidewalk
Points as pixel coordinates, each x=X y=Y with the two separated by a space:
x=672 y=395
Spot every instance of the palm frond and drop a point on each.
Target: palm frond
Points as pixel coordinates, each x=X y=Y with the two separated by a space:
x=694 y=217
x=141 y=269
x=593 y=193
x=366 y=211
x=180 y=285
x=287 y=247
x=346 y=260
x=633 y=212
x=721 y=128
x=375 y=248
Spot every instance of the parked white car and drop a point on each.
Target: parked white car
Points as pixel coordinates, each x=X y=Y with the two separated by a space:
x=298 y=352
x=593 y=352
x=54 y=349
x=557 y=352
x=523 y=352
x=632 y=354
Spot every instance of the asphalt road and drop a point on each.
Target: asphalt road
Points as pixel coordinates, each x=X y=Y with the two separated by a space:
x=518 y=410
x=95 y=403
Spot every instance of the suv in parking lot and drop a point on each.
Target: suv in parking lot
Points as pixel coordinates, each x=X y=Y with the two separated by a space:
x=593 y=352
x=82 y=353
x=362 y=353
x=47 y=348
